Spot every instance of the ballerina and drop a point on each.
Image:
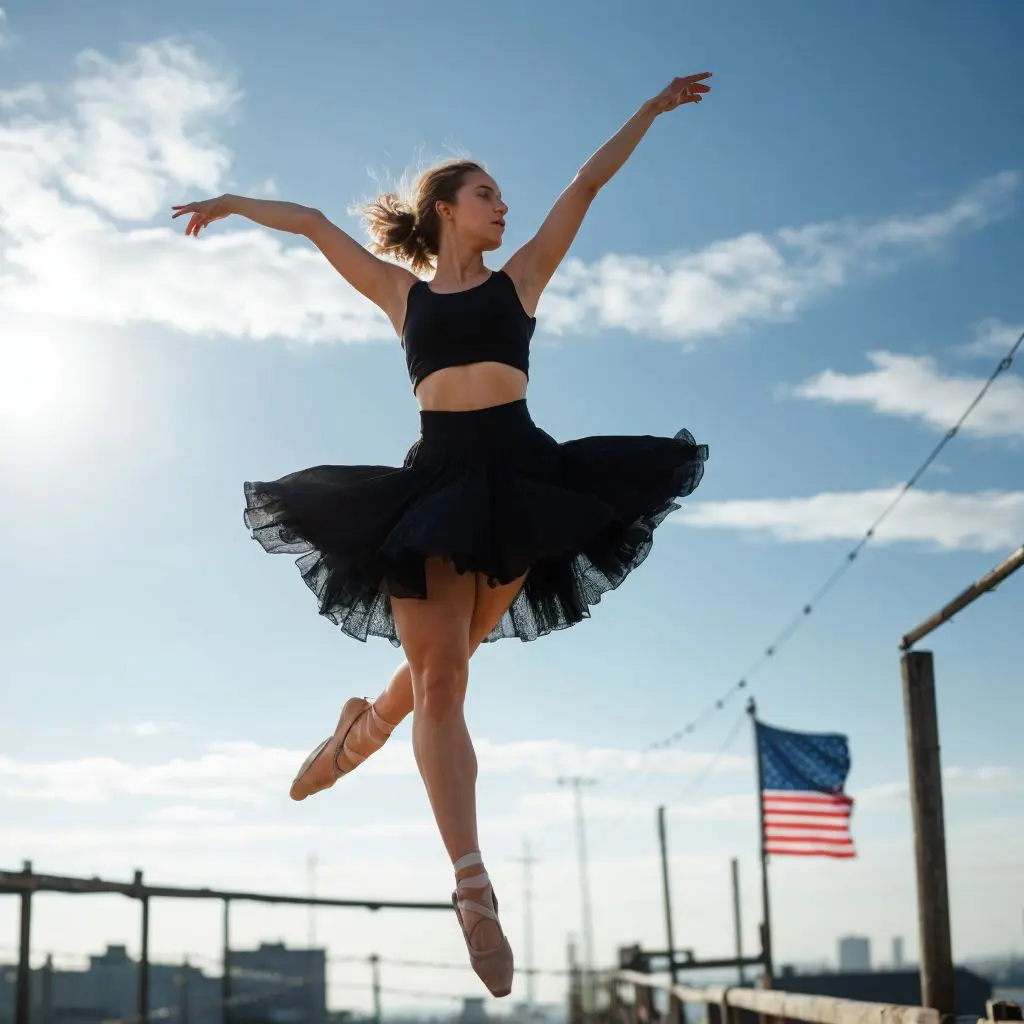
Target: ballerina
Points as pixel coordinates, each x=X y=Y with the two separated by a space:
x=490 y=528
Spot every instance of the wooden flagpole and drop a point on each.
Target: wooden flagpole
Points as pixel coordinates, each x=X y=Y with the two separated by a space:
x=766 y=919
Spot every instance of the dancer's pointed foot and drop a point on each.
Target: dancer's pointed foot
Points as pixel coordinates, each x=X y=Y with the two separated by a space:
x=477 y=909
x=359 y=733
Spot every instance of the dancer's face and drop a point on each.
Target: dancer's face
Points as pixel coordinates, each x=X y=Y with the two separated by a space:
x=478 y=213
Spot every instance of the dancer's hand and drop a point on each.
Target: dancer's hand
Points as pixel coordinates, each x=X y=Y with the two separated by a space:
x=680 y=91
x=204 y=212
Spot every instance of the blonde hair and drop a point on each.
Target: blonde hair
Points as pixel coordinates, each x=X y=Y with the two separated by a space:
x=409 y=229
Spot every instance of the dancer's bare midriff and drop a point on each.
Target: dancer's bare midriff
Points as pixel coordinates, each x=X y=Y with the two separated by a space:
x=471 y=387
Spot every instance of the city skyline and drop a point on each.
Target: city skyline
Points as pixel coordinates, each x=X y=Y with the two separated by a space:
x=193 y=991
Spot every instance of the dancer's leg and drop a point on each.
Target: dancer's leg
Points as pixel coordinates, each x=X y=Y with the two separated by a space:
x=370 y=731
x=395 y=703
x=435 y=636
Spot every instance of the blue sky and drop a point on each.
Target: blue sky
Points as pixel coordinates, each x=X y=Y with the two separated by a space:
x=813 y=272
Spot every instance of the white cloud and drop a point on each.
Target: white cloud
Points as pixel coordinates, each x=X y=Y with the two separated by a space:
x=142 y=729
x=957 y=780
x=169 y=835
x=24 y=95
x=754 y=277
x=993 y=337
x=559 y=806
x=912 y=387
x=141 y=130
x=250 y=773
x=985 y=521
x=244 y=772
x=190 y=814
x=142 y=133
x=266 y=189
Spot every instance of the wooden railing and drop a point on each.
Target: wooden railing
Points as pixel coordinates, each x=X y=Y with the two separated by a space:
x=632 y=997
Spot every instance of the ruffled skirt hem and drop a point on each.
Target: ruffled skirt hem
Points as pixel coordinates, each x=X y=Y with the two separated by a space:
x=489 y=493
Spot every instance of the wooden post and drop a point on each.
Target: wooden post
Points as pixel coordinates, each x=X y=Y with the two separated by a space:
x=920 y=711
x=23 y=996
x=143 y=981
x=736 y=920
x=643 y=1003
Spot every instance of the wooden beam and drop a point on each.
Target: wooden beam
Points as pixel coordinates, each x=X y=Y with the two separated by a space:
x=827 y=1010
x=987 y=582
x=789 y=1005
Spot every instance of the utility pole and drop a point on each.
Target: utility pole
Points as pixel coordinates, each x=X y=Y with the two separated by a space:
x=766 y=921
x=575 y=987
x=670 y=935
x=576 y=783
x=23 y=997
x=375 y=965
x=528 y=860
x=225 y=981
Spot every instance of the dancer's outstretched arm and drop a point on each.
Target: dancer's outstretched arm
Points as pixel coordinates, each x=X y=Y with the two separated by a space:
x=383 y=283
x=535 y=263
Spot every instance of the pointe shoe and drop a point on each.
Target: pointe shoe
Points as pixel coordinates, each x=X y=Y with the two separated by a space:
x=307 y=782
x=494 y=967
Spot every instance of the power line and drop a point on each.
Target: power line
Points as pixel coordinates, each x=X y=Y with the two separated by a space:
x=439 y=965
x=288 y=984
x=191 y=959
x=640 y=777
x=702 y=777
x=851 y=556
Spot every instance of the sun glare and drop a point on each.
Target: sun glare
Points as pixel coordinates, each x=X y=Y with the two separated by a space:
x=36 y=383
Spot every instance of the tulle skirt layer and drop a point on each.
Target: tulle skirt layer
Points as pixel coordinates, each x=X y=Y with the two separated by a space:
x=491 y=493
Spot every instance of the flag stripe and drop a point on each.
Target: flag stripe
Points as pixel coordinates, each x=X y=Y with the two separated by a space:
x=782 y=837
x=785 y=799
x=803 y=826
x=807 y=824
x=785 y=851
x=772 y=809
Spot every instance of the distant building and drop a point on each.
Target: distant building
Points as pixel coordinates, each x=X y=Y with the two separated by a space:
x=272 y=984
x=900 y=988
x=897 y=953
x=854 y=954
x=107 y=989
x=277 y=984
x=473 y=1011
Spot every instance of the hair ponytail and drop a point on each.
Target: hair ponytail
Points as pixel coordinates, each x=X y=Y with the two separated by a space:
x=409 y=230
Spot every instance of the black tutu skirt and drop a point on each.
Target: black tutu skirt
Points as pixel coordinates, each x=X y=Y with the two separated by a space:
x=491 y=493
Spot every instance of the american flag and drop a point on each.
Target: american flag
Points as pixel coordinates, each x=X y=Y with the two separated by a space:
x=806 y=812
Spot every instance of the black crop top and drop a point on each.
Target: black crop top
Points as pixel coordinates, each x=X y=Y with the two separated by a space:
x=482 y=324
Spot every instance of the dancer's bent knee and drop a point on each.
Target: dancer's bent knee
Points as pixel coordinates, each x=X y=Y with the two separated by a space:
x=439 y=686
